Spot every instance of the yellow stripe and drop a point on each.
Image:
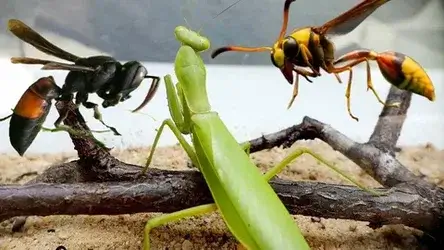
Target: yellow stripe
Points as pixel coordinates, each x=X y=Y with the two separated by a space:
x=302 y=36
x=416 y=76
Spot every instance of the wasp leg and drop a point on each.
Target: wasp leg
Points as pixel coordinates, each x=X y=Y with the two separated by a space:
x=332 y=69
x=61 y=127
x=317 y=50
x=370 y=86
x=305 y=73
x=62 y=117
x=66 y=128
x=65 y=97
x=355 y=61
x=324 y=67
x=347 y=94
x=338 y=78
x=98 y=115
x=81 y=98
x=295 y=91
x=306 y=55
x=72 y=131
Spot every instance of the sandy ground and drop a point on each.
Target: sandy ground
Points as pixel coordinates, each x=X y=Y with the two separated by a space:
x=209 y=232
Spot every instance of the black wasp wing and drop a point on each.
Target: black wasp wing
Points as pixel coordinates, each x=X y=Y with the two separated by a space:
x=30 y=36
x=52 y=65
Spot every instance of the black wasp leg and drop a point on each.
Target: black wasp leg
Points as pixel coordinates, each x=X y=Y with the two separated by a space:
x=98 y=115
x=61 y=118
x=61 y=127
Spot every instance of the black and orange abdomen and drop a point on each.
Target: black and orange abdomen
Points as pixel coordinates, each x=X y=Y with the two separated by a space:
x=30 y=113
x=405 y=73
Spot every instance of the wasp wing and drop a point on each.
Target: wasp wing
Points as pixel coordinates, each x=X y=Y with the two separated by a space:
x=28 y=60
x=349 y=20
x=65 y=66
x=51 y=65
x=30 y=36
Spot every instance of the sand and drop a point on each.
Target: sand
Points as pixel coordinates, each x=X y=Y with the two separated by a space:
x=209 y=232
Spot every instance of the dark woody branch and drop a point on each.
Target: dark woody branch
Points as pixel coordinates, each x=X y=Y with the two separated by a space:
x=98 y=183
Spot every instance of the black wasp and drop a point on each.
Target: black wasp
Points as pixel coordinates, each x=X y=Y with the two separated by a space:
x=103 y=75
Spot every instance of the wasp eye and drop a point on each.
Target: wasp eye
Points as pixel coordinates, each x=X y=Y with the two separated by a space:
x=278 y=58
x=291 y=47
x=273 y=61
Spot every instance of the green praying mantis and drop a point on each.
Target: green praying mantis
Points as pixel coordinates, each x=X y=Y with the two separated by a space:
x=248 y=204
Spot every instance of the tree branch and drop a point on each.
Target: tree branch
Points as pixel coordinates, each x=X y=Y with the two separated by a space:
x=390 y=122
x=114 y=187
x=172 y=191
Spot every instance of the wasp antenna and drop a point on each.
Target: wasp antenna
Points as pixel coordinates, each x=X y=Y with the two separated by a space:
x=151 y=92
x=239 y=49
x=285 y=20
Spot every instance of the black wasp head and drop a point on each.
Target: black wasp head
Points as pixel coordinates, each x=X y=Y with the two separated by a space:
x=129 y=79
x=132 y=73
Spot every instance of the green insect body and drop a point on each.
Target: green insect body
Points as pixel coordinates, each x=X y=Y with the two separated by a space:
x=249 y=206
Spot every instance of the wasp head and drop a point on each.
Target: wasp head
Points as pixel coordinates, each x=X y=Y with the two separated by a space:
x=280 y=55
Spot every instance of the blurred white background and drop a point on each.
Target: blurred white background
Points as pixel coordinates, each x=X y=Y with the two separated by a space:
x=251 y=105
